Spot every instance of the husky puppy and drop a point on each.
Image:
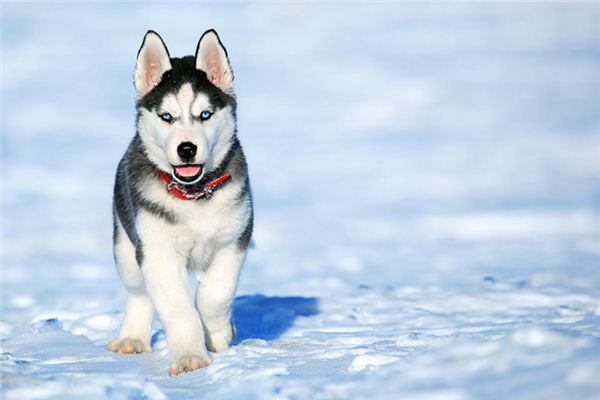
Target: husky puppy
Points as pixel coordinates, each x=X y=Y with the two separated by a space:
x=182 y=203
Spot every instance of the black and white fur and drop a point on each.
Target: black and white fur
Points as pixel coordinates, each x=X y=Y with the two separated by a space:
x=159 y=238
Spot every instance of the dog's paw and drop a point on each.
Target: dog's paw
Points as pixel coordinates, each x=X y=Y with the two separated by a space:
x=188 y=364
x=219 y=341
x=129 y=346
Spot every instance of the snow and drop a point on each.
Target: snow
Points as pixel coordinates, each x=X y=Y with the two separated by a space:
x=426 y=189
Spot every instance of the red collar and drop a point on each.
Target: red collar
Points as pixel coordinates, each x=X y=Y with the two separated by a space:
x=193 y=193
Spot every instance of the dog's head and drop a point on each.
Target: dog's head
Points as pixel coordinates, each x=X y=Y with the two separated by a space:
x=186 y=106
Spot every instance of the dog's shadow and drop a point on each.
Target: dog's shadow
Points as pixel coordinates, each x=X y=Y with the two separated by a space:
x=267 y=318
x=263 y=317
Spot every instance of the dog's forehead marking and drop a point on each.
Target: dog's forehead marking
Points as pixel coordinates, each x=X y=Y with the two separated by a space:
x=185 y=96
x=179 y=104
x=186 y=104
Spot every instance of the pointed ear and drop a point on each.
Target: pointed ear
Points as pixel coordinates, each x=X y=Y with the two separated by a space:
x=211 y=57
x=152 y=62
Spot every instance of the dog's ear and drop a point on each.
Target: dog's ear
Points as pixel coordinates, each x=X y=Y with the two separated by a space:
x=152 y=62
x=211 y=57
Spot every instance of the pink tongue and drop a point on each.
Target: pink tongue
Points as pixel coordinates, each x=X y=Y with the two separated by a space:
x=188 y=170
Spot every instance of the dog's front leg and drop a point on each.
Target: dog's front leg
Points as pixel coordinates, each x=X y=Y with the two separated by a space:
x=164 y=269
x=215 y=295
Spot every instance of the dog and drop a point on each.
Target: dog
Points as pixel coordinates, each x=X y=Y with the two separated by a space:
x=182 y=204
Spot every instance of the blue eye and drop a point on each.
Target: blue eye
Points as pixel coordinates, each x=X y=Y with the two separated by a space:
x=166 y=117
x=204 y=115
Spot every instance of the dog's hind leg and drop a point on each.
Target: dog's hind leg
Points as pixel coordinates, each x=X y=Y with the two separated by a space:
x=134 y=336
x=215 y=295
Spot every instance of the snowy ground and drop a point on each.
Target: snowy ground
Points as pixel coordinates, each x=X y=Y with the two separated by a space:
x=427 y=187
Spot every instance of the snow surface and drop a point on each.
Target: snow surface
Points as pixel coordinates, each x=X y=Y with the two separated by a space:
x=427 y=187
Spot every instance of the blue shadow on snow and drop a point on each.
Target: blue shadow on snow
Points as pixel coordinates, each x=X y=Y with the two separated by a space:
x=267 y=318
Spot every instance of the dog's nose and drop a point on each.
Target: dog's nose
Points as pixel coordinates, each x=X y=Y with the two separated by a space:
x=186 y=151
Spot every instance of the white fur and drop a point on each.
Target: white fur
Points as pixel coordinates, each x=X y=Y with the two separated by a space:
x=212 y=137
x=165 y=260
x=215 y=294
x=139 y=313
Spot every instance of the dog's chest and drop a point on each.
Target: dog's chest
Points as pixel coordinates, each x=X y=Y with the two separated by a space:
x=216 y=221
x=207 y=221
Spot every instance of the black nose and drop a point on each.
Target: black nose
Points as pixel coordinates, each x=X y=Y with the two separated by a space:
x=186 y=151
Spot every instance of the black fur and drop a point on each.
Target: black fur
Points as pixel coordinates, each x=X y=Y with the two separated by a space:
x=183 y=70
x=244 y=240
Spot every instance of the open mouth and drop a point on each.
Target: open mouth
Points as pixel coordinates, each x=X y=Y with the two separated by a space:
x=187 y=173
